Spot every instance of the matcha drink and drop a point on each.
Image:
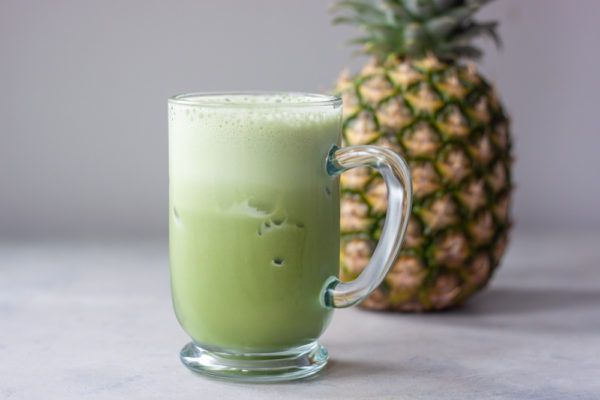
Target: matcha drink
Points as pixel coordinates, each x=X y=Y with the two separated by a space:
x=254 y=218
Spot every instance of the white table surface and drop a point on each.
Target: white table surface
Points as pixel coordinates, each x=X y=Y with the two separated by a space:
x=93 y=320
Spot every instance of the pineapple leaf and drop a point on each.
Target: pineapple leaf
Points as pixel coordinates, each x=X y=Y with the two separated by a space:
x=348 y=20
x=361 y=13
x=398 y=10
x=415 y=28
x=438 y=28
x=422 y=9
x=462 y=51
x=382 y=28
x=489 y=28
x=477 y=29
x=414 y=31
x=441 y=5
x=483 y=2
x=464 y=12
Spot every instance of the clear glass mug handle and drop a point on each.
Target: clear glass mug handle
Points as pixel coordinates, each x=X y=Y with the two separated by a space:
x=396 y=174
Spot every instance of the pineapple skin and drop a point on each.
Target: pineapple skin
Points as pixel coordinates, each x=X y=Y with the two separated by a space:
x=447 y=122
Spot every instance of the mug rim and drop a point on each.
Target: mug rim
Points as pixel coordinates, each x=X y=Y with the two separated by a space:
x=314 y=99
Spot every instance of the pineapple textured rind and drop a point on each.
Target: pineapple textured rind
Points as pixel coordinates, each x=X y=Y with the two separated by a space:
x=447 y=122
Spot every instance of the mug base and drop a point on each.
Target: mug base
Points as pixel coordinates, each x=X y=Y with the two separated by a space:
x=297 y=363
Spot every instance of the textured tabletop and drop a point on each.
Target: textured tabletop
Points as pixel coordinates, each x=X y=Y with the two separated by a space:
x=93 y=320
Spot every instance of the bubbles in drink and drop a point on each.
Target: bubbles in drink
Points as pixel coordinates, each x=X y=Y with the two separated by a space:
x=176 y=218
x=278 y=218
x=251 y=208
x=262 y=207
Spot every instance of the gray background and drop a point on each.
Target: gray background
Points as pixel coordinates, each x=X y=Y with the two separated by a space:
x=83 y=145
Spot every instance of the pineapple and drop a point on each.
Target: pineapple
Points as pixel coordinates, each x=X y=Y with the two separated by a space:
x=420 y=97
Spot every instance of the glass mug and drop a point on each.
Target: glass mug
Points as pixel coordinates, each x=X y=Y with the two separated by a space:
x=254 y=229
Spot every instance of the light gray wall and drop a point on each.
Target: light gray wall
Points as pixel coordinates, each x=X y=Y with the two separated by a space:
x=548 y=75
x=83 y=148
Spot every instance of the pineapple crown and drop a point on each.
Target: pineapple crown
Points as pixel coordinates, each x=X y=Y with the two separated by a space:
x=416 y=28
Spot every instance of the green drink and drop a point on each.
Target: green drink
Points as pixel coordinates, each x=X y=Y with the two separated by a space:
x=254 y=222
x=254 y=229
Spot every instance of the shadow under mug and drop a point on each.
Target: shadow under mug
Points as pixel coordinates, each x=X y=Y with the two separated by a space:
x=254 y=229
